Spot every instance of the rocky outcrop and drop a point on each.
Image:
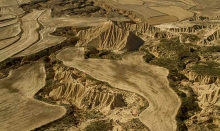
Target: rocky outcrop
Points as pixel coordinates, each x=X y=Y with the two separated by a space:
x=209 y=94
x=211 y=38
x=83 y=92
x=191 y=29
x=163 y=34
x=202 y=79
x=109 y=36
x=142 y=27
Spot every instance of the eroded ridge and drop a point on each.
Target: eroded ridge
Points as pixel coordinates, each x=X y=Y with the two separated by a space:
x=163 y=102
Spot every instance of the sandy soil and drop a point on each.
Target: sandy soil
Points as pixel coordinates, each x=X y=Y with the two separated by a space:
x=206 y=8
x=139 y=9
x=143 y=7
x=161 y=20
x=8 y=3
x=7 y=42
x=132 y=2
x=16 y=10
x=10 y=31
x=12 y=2
x=179 y=12
x=7 y=17
x=46 y=40
x=49 y=21
x=8 y=23
x=23 y=1
x=18 y=109
x=133 y=75
x=188 y=2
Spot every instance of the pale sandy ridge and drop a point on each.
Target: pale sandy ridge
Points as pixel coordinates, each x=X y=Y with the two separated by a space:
x=18 y=109
x=10 y=31
x=7 y=17
x=8 y=23
x=7 y=42
x=132 y=74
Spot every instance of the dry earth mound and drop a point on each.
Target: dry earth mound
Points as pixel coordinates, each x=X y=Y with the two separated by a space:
x=88 y=96
x=110 y=37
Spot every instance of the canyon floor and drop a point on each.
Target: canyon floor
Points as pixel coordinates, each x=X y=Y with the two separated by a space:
x=109 y=65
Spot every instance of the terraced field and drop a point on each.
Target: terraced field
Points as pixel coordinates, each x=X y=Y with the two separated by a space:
x=19 y=110
x=28 y=37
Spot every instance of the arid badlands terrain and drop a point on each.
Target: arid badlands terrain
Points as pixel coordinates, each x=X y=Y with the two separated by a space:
x=110 y=65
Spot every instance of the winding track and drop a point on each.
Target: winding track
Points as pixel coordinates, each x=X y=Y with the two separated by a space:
x=134 y=75
x=28 y=37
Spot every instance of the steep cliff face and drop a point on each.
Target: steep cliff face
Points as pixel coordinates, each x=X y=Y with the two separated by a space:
x=208 y=100
x=211 y=38
x=209 y=94
x=202 y=79
x=84 y=93
x=142 y=27
x=109 y=36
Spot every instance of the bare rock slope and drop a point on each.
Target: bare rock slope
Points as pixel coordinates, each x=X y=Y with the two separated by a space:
x=109 y=36
x=87 y=96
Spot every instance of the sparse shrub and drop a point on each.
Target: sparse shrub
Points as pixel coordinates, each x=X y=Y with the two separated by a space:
x=168 y=63
x=90 y=52
x=207 y=68
x=99 y=126
x=148 y=57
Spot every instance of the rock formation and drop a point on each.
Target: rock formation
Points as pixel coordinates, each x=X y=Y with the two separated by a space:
x=202 y=79
x=109 y=36
x=83 y=92
x=211 y=38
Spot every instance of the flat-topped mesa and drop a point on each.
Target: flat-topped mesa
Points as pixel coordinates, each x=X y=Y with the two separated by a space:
x=84 y=96
x=202 y=79
x=211 y=38
x=109 y=36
